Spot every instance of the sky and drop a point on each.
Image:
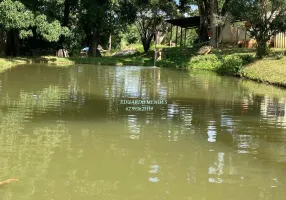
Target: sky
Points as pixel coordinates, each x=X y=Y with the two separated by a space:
x=194 y=7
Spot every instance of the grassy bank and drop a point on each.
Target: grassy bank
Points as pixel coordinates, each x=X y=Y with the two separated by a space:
x=268 y=70
x=6 y=63
x=138 y=60
x=225 y=61
x=233 y=62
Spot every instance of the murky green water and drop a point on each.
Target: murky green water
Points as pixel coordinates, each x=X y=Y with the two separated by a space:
x=65 y=135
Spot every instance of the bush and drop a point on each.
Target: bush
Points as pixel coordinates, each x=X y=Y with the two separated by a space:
x=231 y=65
x=138 y=61
x=247 y=58
x=166 y=63
x=209 y=62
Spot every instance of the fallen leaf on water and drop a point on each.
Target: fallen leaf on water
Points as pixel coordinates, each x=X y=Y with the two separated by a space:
x=8 y=181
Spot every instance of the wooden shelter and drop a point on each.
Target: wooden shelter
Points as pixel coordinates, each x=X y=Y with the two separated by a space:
x=194 y=22
x=184 y=24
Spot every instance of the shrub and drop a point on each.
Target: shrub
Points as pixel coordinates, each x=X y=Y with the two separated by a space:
x=247 y=58
x=210 y=62
x=231 y=65
x=166 y=63
x=138 y=61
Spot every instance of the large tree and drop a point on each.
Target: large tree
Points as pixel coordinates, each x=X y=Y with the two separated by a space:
x=212 y=14
x=151 y=15
x=266 y=17
x=19 y=22
x=101 y=18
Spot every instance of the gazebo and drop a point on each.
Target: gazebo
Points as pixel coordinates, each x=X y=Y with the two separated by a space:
x=183 y=23
x=189 y=23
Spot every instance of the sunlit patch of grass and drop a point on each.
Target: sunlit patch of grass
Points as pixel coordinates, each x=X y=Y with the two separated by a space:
x=269 y=70
x=6 y=63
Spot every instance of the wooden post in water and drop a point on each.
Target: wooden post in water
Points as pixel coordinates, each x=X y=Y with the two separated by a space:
x=237 y=35
x=109 y=43
x=185 y=37
x=171 y=35
x=181 y=42
x=245 y=43
x=155 y=49
x=176 y=35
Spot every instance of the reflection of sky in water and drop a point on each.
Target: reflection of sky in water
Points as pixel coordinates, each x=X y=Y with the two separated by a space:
x=226 y=121
x=134 y=127
x=172 y=110
x=217 y=168
x=244 y=142
x=162 y=92
x=154 y=179
x=273 y=110
x=211 y=132
x=154 y=169
x=80 y=69
x=132 y=81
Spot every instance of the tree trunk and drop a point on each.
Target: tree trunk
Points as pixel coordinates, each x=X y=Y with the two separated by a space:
x=262 y=49
x=2 y=42
x=147 y=43
x=13 y=44
x=16 y=42
x=203 y=29
x=160 y=36
x=66 y=13
x=213 y=13
x=93 y=51
x=65 y=22
x=8 y=44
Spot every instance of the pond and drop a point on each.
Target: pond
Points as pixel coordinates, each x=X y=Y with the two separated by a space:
x=66 y=133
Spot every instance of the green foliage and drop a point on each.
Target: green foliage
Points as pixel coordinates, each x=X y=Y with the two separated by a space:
x=231 y=65
x=208 y=62
x=109 y=60
x=50 y=31
x=14 y=15
x=73 y=42
x=216 y=61
x=267 y=18
x=246 y=58
x=131 y=36
x=101 y=18
x=25 y=34
x=166 y=63
x=151 y=17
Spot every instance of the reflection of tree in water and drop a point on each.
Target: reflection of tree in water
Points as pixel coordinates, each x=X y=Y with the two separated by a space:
x=274 y=109
x=197 y=142
x=24 y=148
x=34 y=151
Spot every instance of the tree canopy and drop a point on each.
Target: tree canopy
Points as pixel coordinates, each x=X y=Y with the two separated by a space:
x=72 y=24
x=266 y=17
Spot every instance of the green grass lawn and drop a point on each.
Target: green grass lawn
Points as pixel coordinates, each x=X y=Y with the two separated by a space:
x=269 y=70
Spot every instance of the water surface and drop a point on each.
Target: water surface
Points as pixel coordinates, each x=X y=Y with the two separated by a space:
x=65 y=135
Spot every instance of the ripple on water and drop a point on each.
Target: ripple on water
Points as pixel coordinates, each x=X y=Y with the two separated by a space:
x=211 y=140
x=154 y=169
